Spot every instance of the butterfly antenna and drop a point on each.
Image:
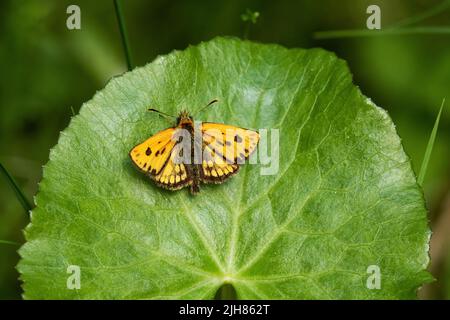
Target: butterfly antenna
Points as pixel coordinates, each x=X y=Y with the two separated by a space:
x=210 y=103
x=161 y=113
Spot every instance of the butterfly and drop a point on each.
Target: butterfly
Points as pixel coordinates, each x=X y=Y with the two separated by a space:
x=191 y=153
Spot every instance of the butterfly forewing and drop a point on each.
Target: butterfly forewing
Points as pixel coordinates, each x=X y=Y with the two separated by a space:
x=224 y=148
x=151 y=155
x=158 y=157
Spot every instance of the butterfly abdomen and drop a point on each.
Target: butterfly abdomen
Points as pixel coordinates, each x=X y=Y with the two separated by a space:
x=194 y=168
x=195 y=186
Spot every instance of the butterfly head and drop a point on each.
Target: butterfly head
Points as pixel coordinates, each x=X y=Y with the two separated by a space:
x=184 y=118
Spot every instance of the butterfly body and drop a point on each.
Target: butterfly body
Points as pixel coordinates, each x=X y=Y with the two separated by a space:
x=186 y=122
x=192 y=153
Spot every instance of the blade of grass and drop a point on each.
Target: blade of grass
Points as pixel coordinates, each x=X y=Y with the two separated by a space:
x=350 y=33
x=394 y=29
x=9 y=242
x=440 y=7
x=429 y=149
x=17 y=191
x=123 y=33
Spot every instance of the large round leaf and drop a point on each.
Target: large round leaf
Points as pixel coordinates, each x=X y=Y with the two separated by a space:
x=344 y=197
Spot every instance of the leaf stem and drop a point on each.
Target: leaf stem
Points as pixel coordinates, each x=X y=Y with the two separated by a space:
x=18 y=192
x=429 y=149
x=226 y=292
x=123 y=33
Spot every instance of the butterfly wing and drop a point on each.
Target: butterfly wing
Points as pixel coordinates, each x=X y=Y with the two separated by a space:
x=156 y=157
x=151 y=155
x=174 y=175
x=224 y=148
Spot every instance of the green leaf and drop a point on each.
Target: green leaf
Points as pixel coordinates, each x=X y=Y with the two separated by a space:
x=344 y=198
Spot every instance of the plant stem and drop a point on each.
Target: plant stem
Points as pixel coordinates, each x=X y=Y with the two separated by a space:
x=9 y=242
x=429 y=149
x=394 y=29
x=246 y=30
x=123 y=33
x=440 y=7
x=386 y=32
x=18 y=192
x=226 y=292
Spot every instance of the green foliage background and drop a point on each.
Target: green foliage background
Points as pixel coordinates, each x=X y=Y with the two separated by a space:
x=47 y=70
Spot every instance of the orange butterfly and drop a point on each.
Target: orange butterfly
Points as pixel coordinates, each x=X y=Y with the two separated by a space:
x=192 y=153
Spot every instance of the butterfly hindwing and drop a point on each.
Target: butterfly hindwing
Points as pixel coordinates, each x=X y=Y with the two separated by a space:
x=217 y=173
x=174 y=175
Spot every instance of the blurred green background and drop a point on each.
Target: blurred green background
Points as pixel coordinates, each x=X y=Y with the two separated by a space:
x=48 y=70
